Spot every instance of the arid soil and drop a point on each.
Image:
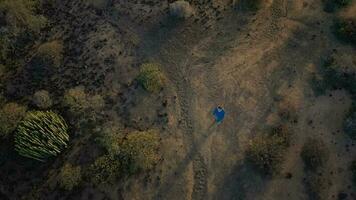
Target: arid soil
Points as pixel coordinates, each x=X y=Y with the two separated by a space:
x=257 y=65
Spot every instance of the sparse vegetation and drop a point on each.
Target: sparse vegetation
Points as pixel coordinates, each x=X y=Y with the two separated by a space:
x=151 y=78
x=41 y=135
x=266 y=154
x=332 y=77
x=345 y=29
x=98 y=4
x=353 y=171
x=42 y=99
x=333 y=5
x=69 y=177
x=254 y=4
x=181 y=9
x=10 y=115
x=350 y=125
x=315 y=154
x=315 y=185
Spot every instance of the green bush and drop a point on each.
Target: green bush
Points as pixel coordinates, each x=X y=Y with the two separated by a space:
x=345 y=29
x=69 y=177
x=151 y=78
x=41 y=135
x=10 y=115
x=333 y=5
x=78 y=101
x=266 y=154
x=126 y=155
x=49 y=54
x=315 y=154
x=105 y=169
x=139 y=150
x=109 y=138
x=42 y=99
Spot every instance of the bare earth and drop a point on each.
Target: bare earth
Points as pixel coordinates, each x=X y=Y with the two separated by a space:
x=254 y=66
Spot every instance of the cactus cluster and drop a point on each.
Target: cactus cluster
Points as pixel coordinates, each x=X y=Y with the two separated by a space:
x=41 y=135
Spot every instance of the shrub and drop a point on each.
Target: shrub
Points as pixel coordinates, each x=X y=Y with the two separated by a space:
x=98 y=4
x=333 y=5
x=332 y=77
x=42 y=99
x=78 y=101
x=127 y=155
x=48 y=54
x=345 y=29
x=10 y=115
x=109 y=138
x=266 y=154
x=151 y=78
x=139 y=150
x=105 y=169
x=181 y=9
x=254 y=4
x=350 y=125
x=283 y=133
x=315 y=154
x=353 y=171
x=21 y=14
x=41 y=135
x=315 y=185
x=69 y=177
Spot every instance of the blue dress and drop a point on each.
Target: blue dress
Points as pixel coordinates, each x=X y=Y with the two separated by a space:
x=219 y=115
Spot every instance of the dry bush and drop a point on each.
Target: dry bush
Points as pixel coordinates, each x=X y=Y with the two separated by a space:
x=69 y=177
x=20 y=15
x=315 y=185
x=98 y=4
x=139 y=150
x=78 y=101
x=126 y=155
x=151 y=77
x=345 y=29
x=105 y=169
x=109 y=137
x=181 y=9
x=350 y=125
x=49 y=54
x=10 y=115
x=315 y=154
x=266 y=154
x=42 y=99
x=353 y=171
x=333 y=5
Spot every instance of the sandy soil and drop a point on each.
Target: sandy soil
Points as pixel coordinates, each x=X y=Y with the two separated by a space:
x=254 y=66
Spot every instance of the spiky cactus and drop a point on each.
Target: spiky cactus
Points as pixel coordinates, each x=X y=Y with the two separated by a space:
x=41 y=135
